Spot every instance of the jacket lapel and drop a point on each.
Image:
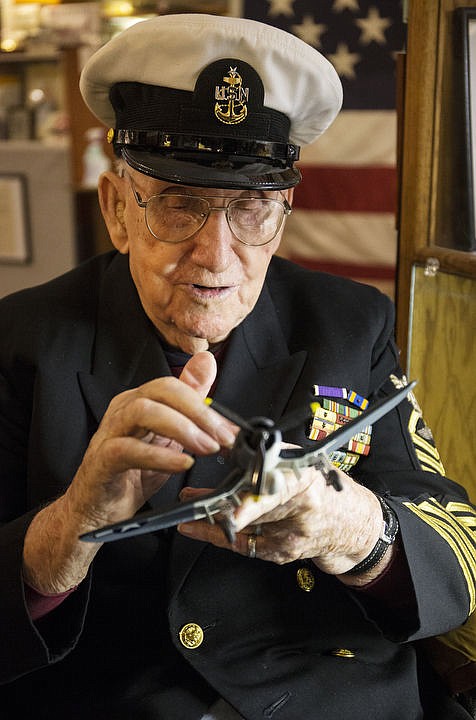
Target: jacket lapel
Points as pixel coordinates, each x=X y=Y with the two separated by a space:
x=257 y=378
x=127 y=351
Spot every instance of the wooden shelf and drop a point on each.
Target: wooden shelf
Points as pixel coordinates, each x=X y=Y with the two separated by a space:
x=39 y=55
x=91 y=233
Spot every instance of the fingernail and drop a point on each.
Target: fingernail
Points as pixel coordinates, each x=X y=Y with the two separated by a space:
x=185 y=493
x=226 y=436
x=184 y=529
x=188 y=461
x=209 y=444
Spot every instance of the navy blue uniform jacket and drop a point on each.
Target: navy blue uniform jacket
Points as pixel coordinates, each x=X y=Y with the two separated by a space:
x=112 y=649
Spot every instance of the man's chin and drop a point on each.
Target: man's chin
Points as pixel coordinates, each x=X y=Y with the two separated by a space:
x=193 y=341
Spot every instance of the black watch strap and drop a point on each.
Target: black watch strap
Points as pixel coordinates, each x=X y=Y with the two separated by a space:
x=387 y=538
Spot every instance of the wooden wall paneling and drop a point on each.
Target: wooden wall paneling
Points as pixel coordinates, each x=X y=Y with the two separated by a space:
x=440 y=306
x=442 y=351
x=449 y=213
x=433 y=180
x=91 y=233
x=81 y=118
x=417 y=154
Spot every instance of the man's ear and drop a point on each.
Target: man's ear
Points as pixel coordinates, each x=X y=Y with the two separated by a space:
x=111 y=200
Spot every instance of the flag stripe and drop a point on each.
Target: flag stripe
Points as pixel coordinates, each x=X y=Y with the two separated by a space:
x=368 y=238
x=346 y=141
x=347 y=189
x=382 y=272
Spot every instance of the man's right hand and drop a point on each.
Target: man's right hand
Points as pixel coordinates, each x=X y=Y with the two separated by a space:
x=137 y=446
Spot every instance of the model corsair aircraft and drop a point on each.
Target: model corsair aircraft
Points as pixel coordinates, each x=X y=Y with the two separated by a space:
x=258 y=460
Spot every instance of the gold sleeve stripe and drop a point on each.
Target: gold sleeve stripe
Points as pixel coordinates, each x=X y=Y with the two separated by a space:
x=436 y=516
x=429 y=463
x=464 y=512
x=426 y=446
x=460 y=541
x=454 y=532
x=460 y=507
x=468 y=539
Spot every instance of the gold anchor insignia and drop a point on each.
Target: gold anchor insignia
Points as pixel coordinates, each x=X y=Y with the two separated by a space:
x=305 y=579
x=230 y=107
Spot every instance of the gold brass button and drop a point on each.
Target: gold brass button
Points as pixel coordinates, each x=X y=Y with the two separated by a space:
x=343 y=653
x=305 y=579
x=191 y=636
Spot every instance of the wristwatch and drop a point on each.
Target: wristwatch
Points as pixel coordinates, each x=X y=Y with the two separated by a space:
x=387 y=537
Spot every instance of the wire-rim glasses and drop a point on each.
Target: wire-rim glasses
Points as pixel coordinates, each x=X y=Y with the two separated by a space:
x=175 y=217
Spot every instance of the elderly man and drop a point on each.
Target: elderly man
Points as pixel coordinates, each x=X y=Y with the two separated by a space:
x=103 y=376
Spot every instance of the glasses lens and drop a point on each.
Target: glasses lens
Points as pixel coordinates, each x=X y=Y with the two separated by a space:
x=174 y=218
x=255 y=221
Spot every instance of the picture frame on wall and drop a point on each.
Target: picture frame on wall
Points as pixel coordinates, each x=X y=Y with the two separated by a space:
x=466 y=42
x=15 y=245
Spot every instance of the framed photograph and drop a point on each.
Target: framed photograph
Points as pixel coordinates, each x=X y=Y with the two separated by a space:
x=15 y=244
x=466 y=30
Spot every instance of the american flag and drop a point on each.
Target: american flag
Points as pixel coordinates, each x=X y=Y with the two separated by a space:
x=344 y=210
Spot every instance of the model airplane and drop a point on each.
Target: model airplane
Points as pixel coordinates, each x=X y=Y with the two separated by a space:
x=258 y=460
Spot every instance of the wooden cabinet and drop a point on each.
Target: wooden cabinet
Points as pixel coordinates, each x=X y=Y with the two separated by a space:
x=58 y=71
x=436 y=285
x=24 y=76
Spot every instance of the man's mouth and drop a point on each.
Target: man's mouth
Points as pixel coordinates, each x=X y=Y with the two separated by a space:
x=211 y=292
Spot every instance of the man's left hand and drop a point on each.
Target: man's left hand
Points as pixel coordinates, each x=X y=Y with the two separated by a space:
x=305 y=519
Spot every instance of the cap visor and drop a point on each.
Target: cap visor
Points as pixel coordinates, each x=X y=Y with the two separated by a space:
x=253 y=176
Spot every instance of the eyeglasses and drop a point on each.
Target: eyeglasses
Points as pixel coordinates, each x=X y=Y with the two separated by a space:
x=175 y=217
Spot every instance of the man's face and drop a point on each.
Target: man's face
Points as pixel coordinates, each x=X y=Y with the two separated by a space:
x=196 y=291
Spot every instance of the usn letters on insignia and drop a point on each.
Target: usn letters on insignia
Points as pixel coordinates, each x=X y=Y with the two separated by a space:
x=231 y=99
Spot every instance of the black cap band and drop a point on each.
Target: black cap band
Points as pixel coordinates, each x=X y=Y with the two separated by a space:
x=197 y=146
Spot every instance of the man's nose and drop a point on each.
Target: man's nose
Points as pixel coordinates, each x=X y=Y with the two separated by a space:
x=213 y=244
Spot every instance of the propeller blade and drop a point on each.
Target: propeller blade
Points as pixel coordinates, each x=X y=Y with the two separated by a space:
x=228 y=414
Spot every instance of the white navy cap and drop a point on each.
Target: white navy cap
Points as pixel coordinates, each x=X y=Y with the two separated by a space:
x=211 y=101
